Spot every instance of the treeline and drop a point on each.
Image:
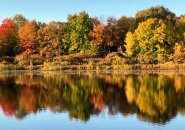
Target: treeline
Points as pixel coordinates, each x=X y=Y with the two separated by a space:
x=154 y=35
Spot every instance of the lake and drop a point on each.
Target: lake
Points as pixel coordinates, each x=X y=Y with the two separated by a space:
x=92 y=100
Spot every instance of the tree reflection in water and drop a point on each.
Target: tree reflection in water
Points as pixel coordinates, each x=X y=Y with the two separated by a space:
x=152 y=97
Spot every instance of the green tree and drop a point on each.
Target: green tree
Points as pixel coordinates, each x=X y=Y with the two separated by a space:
x=179 y=49
x=77 y=29
x=158 y=12
x=19 y=20
x=180 y=24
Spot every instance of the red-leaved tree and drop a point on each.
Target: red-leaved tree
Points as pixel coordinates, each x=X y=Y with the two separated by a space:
x=7 y=37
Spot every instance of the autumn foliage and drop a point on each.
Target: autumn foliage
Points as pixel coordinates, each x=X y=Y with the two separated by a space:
x=98 y=34
x=27 y=37
x=7 y=27
x=7 y=37
x=153 y=97
x=149 y=37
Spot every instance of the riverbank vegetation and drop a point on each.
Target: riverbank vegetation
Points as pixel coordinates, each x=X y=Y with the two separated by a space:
x=153 y=39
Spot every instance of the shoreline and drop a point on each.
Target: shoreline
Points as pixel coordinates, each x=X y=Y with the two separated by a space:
x=81 y=71
x=94 y=67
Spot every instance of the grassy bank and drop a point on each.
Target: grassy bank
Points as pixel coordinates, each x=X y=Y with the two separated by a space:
x=50 y=66
x=113 y=61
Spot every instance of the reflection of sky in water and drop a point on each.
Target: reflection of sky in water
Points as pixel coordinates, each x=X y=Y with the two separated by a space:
x=46 y=120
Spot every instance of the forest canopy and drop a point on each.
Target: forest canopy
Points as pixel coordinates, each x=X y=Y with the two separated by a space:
x=154 y=35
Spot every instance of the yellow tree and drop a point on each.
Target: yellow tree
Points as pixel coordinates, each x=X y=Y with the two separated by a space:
x=152 y=41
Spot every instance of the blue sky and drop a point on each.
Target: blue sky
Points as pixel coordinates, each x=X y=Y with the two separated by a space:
x=48 y=10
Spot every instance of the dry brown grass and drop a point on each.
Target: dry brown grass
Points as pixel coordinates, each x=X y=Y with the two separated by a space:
x=78 y=57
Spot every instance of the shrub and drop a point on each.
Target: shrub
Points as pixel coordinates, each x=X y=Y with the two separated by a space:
x=7 y=59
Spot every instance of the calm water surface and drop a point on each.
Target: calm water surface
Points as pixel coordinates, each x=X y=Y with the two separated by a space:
x=92 y=101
